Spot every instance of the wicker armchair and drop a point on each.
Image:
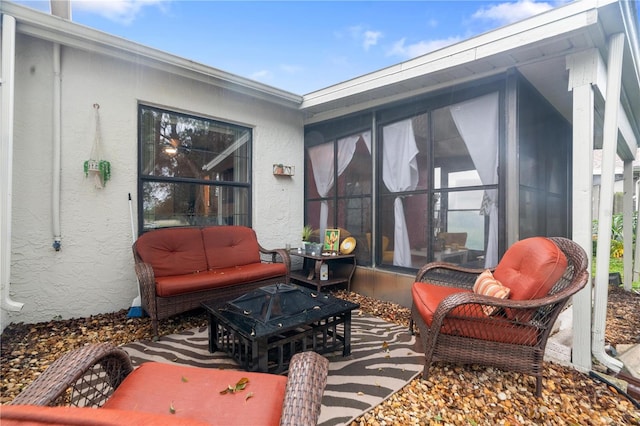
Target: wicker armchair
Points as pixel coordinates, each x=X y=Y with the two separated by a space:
x=90 y=377
x=512 y=336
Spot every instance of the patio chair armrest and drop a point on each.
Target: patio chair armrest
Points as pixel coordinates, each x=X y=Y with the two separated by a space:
x=95 y=370
x=147 y=283
x=448 y=274
x=306 y=381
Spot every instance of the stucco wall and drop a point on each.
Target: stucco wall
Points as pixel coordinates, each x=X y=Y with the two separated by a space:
x=93 y=272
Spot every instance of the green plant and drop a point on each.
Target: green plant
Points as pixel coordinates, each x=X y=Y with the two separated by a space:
x=306 y=232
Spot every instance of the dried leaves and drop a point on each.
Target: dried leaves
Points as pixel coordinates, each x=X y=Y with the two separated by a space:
x=239 y=386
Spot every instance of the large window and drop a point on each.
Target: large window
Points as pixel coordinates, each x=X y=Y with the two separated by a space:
x=193 y=170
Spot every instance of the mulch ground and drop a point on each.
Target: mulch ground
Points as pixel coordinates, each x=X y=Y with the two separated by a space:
x=453 y=395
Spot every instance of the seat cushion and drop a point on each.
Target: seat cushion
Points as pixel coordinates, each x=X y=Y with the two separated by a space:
x=227 y=246
x=194 y=393
x=468 y=320
x=172 y=251
x=222 y=277
x=32 y=415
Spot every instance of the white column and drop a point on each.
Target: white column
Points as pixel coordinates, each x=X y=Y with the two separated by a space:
x=627 y=224
x=583 y=121
x=609 y=145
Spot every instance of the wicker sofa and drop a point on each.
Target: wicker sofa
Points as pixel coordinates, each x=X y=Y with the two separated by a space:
x=179 y=268
x=101 y=376
x=458 y=324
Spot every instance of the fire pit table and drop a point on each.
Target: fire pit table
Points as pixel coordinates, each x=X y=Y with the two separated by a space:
x=263 y=329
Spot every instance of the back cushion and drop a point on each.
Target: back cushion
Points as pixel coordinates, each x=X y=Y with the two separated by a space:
x=173 y=251
x=530 y=268
x=227 y=246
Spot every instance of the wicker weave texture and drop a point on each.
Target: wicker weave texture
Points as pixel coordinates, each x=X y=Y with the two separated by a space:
x=459 y=335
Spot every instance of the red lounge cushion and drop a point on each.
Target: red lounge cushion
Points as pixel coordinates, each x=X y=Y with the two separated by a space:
x=195 y=393
x=227 y=246
x=468 y=320
x=173 y=251
x=487 y=285
x=531 y=267
x=180 y=284
x=32 y=415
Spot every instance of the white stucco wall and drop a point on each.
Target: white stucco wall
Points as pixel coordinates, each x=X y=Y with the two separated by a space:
x=93 y=272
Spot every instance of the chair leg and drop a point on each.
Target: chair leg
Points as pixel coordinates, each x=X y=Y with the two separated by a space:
x=411 y=330
x=538 y=386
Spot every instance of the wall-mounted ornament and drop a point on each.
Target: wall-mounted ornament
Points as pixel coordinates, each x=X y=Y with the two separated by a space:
x=95 y=167
x=282 y=170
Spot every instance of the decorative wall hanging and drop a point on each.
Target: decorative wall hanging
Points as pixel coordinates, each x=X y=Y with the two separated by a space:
x=95 y=166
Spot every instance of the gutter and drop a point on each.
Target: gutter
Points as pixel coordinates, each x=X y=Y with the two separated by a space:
x=57 y=118
x=6 y=158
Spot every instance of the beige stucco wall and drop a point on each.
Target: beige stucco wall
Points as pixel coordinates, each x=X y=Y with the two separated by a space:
x=93 y=272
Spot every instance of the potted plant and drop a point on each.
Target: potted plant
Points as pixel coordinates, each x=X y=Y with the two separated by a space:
x=306 y=236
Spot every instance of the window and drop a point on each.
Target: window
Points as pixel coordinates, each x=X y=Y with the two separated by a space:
x=338 y=176
x=193 y=170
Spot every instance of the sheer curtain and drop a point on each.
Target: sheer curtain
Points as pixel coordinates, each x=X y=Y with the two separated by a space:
x=477 y=122
x=400 y=173
x=321 y=157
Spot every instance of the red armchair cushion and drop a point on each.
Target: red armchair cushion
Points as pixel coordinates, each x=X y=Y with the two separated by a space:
x=194 y=393
x=173 y=251
x=531 y=267
x=227 y=246
x=223 y=277
x=33 y=415
x=468 y=320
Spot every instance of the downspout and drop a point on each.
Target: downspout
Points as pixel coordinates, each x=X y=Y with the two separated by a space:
x=57 y=117
x=6 y=158
x=609 y=145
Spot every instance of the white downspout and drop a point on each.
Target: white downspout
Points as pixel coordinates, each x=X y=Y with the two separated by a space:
x=57 y=117
x=6 y=158
x=609 y=144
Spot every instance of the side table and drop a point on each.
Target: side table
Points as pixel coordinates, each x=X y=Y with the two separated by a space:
x=341 y=268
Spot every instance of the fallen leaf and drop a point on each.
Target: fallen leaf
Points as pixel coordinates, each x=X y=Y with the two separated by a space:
x=249 y=395
x=184 y=379
x=172 y=410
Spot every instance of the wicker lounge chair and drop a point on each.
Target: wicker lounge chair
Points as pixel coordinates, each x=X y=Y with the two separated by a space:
x=460 y=326
x=97 y=375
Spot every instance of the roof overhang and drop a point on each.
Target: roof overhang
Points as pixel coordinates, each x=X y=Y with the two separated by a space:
x=537 y=47
x=67 y=33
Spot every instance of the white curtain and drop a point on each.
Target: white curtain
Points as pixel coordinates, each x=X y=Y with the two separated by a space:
x=400 y=173
x=477 y=122
x=322 y=162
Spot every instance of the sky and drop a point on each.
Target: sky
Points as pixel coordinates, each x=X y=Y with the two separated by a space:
x=298 y=46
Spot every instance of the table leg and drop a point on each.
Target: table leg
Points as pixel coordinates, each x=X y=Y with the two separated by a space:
x=261 y=355
x=213 y=334
x=347 y=334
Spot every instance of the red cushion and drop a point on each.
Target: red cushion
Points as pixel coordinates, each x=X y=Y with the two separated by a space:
x=188 y=283
x=173 y=251
x=468 y=320
x=530 y=268
x=13 y=415
x=195 y=393
x=227 y=246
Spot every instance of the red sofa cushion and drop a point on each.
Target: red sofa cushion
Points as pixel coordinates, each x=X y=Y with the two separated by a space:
x=227 y=246
x=32 y=415
x=194 y=393
x=468 y=320
x=173 y=251
x=223 y=277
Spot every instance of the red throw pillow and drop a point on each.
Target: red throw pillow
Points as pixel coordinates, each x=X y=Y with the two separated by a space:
x=487 y=285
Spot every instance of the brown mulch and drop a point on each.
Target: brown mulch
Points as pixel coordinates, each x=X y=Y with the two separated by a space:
x=453 y=395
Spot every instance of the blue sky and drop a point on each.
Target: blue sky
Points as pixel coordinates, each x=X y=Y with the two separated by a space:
x=299 y=46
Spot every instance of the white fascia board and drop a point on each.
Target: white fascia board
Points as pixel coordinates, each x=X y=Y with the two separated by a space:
x=572 y=17
x=57 y=30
